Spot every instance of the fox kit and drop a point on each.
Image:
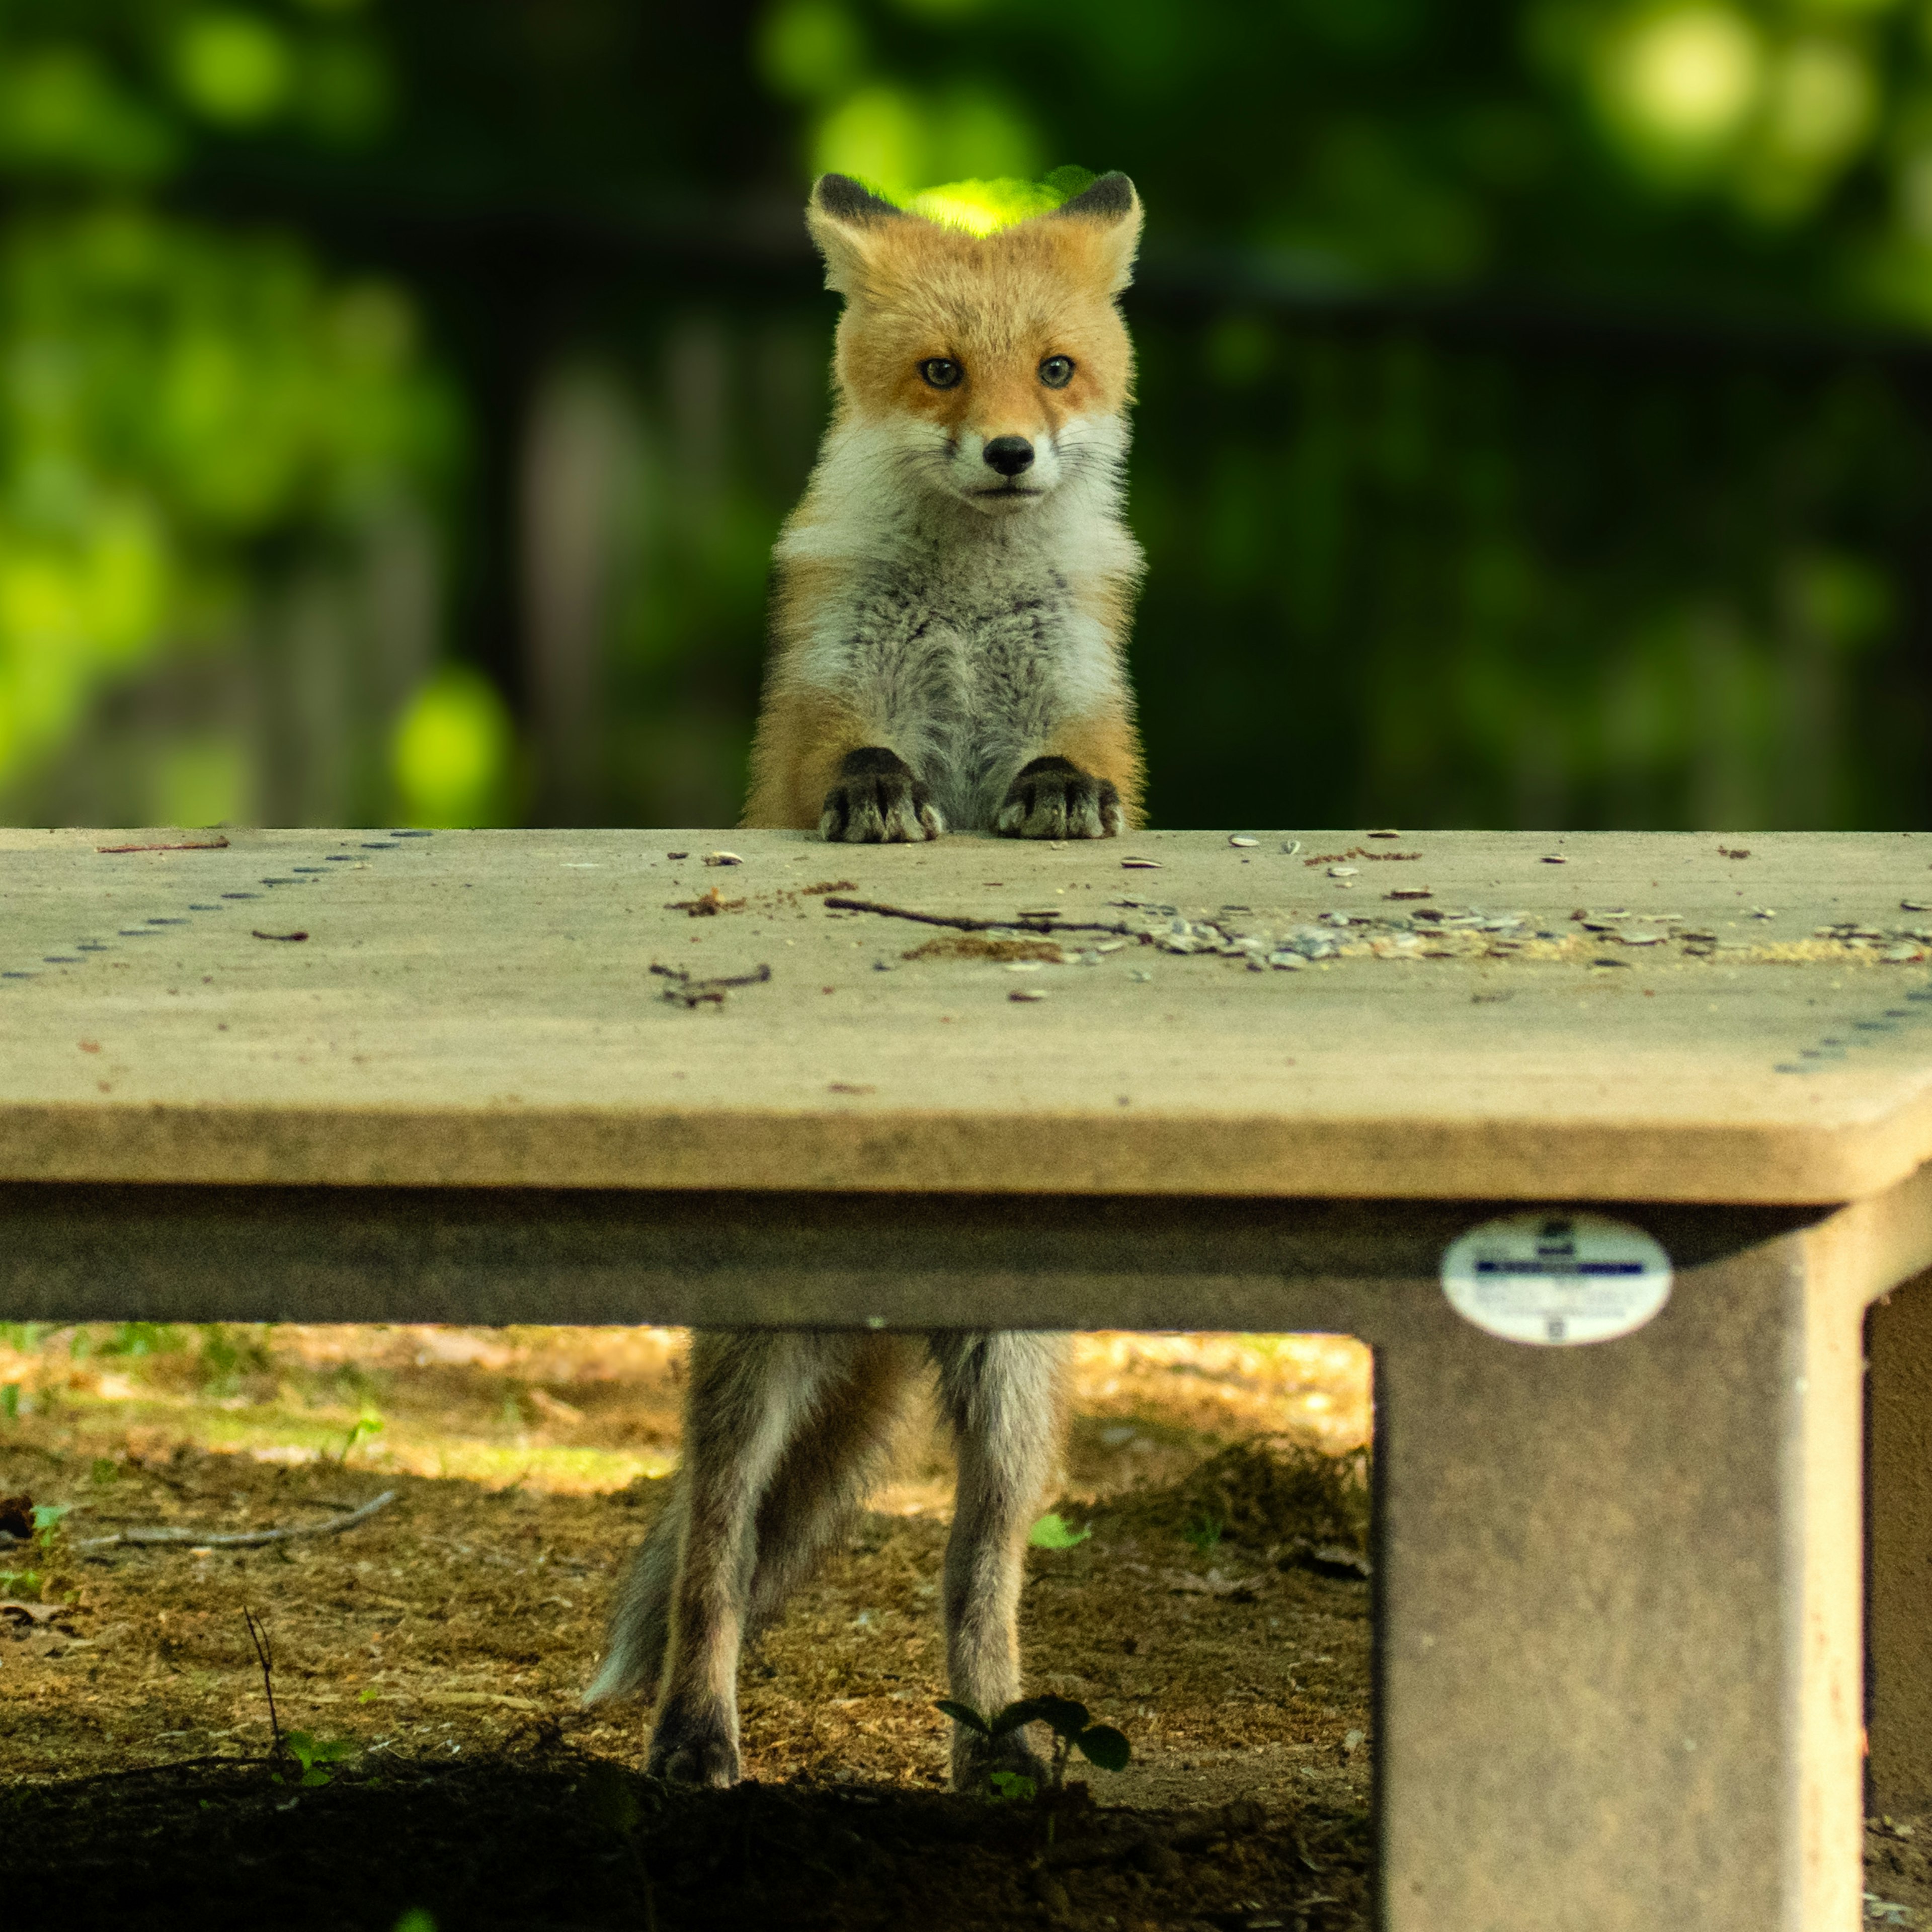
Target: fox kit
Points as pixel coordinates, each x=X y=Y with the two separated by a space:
x=951 y=599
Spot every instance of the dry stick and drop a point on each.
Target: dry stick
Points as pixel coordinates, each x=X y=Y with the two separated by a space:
x=258 y=1635
x=153 y=1770
x=236 y=1539
x=1038 y=921
x=193 y=845
x=697 y=992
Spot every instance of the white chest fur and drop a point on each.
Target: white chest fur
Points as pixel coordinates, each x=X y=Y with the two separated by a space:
x=965 y=640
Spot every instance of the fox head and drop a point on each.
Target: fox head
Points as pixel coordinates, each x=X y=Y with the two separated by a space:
x=991 y=369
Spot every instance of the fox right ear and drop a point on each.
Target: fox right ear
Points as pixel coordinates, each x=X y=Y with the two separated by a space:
x=845 y=220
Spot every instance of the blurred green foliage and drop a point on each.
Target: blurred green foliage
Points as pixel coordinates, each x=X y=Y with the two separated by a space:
x=1479 y=478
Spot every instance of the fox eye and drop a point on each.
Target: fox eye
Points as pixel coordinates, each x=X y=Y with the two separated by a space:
x=1057 y=371
x=941 y=372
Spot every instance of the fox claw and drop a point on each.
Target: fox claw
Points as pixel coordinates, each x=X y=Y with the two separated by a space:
x=1053 y=798
x=878 y=800
x=693 y=1748
x=975 y=1759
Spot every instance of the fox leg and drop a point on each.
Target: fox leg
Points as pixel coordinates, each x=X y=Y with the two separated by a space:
x=878 y=798
x=823 y=1477
x=1004 y=1395
x=748 y=1397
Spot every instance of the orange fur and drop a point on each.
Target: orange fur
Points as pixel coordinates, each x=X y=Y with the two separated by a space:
x=997 y=306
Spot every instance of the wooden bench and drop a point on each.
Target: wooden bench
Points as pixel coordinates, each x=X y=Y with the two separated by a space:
x=563 y=1077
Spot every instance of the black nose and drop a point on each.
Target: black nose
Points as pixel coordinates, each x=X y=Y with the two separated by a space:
x=1009 y=454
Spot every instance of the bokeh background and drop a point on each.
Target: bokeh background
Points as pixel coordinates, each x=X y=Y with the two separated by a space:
x=398 y=397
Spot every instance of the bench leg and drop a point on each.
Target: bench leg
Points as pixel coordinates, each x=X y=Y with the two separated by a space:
x=1898 y=1448
x=1618 y=1659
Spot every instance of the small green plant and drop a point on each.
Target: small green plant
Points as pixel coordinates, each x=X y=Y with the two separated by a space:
x=415 y=1920
x=1072 y=1730
x=1204 y=1532
x=10 y=1401
x=363 y=1425
x=25 y=1583
x=1053 y=1531
x=313 y=1754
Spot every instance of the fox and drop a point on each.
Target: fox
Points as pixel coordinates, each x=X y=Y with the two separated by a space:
x=949 y=609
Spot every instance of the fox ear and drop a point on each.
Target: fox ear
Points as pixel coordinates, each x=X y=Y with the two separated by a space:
x=846 y=220
x=1112 y=209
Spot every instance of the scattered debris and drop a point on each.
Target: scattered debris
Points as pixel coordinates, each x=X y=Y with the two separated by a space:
x=970 y=946
x=285 y=938
x=722 y=858
x=706 y=904
x=1140 y=865
x=825 y=886
x=1555 y=858
x=1026 y=994
x=850 y=1087
x=1734 y=851
x=684 y=991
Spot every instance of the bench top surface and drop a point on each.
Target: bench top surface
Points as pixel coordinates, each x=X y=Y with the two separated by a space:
x=1657 y=1017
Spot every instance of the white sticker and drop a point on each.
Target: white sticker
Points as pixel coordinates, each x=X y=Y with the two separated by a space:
x=1556 y=1280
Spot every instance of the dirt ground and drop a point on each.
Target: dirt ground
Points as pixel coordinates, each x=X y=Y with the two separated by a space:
x=427 y=1661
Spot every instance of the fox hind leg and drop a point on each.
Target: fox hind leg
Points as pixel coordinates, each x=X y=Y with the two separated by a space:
x=749 y=1395
x=831 y=1462
x=1004 y=1395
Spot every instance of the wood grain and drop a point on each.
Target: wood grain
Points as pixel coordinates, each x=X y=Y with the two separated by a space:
x=478 y=1009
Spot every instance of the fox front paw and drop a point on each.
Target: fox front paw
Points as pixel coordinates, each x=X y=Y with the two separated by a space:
x=694 y=1747
x=1053 y=798
x=975 y=1759
x=878 y=800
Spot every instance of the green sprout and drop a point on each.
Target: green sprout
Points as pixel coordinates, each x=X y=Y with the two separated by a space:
x=313 y=1753
x=1072 y=1730
x=1053 y=1531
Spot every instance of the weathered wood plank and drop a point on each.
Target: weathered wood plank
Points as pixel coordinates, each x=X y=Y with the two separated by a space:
x=478 y=1009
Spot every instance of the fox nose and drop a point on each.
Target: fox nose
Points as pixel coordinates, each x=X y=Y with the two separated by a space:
x=1009 y=454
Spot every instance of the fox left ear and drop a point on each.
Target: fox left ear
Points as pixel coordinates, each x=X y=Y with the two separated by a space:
x=1112 y=209
x=845 y=220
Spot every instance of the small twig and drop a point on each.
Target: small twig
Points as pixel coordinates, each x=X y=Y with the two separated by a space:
x=188 y=845
x=287 y=938
x=1035 y=922
x=236 y=1539
x=258 y=1635
x=701 y=992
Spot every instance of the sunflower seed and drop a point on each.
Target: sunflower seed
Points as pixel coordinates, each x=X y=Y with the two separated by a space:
x=1555 y=858
x=722 y=858
x=1026 y=994
x=1342 y=871
x=1140 y=865
x=1238 y=840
